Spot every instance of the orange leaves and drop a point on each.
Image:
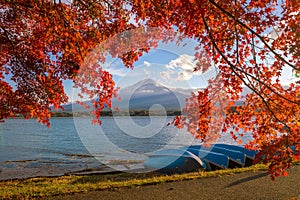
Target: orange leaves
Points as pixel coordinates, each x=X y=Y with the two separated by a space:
x=178 y=121
x=43 y=43
x=297 y=158
x=46 y=43
x=233 y=135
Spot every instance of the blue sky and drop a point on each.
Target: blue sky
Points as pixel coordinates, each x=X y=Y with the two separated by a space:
x=169 y=64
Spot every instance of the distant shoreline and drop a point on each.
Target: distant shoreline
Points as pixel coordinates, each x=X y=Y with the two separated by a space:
x=111 y=114
x=119 y=113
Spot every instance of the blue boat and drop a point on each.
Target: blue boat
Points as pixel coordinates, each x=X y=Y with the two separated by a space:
x=250 y=154
x=236 y=158
x=198 y=157
x=215 y=160
x=172 y=161
x=247 y=152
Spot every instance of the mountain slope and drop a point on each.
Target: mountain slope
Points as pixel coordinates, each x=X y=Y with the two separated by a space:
x=148 y=92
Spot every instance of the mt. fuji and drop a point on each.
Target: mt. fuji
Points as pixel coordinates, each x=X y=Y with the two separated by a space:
x=144 y=94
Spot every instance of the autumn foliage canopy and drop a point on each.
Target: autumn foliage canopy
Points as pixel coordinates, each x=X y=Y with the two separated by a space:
x=44 y=42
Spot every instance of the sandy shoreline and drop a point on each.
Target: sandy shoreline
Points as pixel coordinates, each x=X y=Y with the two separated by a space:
x=11 y=170
x=248 y=185
x=31 y=169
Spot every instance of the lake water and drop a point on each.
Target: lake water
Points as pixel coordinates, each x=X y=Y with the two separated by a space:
x=28 y=149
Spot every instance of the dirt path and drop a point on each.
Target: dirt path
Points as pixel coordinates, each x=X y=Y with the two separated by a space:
x=249 y=185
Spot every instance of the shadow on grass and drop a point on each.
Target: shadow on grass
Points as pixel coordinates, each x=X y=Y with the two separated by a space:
x=247 y=179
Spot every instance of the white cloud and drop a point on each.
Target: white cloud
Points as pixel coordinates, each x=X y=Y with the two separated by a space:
x=147 y=64
x=184 y=66
x=167 y=74
x=185 y=62
x=184 y=76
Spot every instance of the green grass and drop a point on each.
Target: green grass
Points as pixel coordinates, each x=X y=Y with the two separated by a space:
x=42 y=187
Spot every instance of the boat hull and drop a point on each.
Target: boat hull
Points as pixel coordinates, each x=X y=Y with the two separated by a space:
x=173 y=161
x=197 y=157
x=236 y=158
x=249 y=154
x=215 y=160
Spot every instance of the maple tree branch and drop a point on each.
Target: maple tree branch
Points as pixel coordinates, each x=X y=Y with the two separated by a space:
x=254 y=57
x=267 y=86
x=261 y=96
x=250 y=75
x=253 y=32
x=255 y=78
x=82 y=3
x=20 y=4
x=258 y=71
x=15 y=53
x=67 y=25
x=238 y=75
